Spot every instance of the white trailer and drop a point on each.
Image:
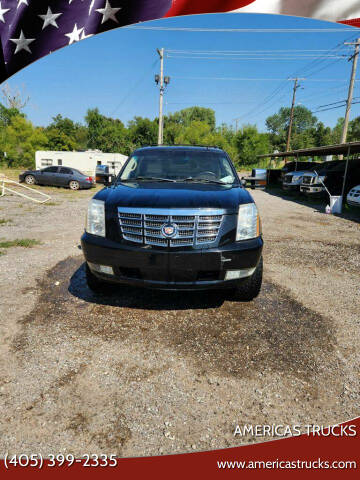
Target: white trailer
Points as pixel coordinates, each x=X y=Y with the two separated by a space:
x=86 y=162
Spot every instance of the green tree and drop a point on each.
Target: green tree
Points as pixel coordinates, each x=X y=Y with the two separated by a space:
x=21 y=141
x=64 y=125
x=59 y=141
x=106 y=134
x=322 y=135
x=6 y=114
x=142 y=131
x=193 y=114
x=303 y=120
x=337 y=130
x=64 y=134
x=354 y=130
x=278 y=126
x=196 y=133
x=95 y=123
x=249 y=143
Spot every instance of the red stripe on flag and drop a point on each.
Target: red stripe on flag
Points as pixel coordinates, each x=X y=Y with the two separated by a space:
x=354 y=23
x=188 y=7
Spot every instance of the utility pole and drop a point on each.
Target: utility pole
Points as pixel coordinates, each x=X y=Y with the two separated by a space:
x=161 y=102
x=354 y=58
x=296 y=86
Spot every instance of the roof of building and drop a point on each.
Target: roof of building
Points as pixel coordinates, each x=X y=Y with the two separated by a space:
x=341 y=149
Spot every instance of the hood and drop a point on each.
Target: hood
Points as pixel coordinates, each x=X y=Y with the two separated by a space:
x=173 y=195
x=298 y=173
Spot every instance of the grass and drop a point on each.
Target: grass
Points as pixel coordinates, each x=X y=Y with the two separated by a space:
x=20 y=242
x=4 y=221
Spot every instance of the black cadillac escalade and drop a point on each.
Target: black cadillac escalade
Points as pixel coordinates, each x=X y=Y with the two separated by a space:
x=176 y=218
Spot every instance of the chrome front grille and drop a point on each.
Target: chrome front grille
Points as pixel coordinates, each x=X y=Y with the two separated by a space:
x=307 y=180
x=193 y=227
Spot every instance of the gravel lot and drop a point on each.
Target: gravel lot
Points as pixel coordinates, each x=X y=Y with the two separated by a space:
x=143 y=373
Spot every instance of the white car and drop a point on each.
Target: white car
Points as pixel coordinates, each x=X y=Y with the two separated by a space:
x=353 y=197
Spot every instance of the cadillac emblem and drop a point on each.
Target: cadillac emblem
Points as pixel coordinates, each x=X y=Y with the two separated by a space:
x=169 y=230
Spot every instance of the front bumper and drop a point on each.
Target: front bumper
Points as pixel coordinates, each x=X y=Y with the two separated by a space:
x=167 y=269
x=291 y=187
x=312 y=190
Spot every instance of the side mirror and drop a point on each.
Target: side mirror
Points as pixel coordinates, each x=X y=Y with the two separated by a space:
x=243 y=182
x=109 y=181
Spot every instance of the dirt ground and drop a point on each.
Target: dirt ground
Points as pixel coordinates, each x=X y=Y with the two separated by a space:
x=142 y=373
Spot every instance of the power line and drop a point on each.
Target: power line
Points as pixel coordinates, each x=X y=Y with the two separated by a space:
x=243 y=30
x=133 y=88
x=307 y=69
x=246 y=51
x=246 y=79
x=333 y=108
x=281 y=86
x=208 y=103
x=334 y=103
x=272 y=53
x=272 y=58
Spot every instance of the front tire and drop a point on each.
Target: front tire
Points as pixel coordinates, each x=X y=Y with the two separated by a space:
x=74 y=185
x=95 y=285
x=249 y=288
x=30 y=180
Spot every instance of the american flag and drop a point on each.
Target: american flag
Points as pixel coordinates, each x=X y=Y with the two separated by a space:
x=31 y=29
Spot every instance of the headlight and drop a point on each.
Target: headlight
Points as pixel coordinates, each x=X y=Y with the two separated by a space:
x=248 y=225
x=95 y=222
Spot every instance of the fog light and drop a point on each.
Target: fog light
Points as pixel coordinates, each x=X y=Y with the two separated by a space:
x=101 y=268
x=236 y=274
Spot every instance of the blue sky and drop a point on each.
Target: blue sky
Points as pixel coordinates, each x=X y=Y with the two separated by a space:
x=115 y=71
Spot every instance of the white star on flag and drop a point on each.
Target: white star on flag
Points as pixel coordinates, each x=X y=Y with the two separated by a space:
x=2 y=13
x=91 y=5
x=50 y=18
x=83 y=35
x=74 y=36
x=20 y=2
x=22 y=43
x=108 y=12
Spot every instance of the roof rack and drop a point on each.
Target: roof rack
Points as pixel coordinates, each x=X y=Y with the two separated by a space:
x=178 y=145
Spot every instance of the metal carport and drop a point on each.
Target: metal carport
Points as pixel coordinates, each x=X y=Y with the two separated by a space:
x=344 y=149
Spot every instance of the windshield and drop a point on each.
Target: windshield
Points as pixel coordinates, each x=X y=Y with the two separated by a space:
x=179 y=166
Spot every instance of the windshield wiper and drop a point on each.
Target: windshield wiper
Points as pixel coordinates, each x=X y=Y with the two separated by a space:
x=156 y=179
x=203 y=180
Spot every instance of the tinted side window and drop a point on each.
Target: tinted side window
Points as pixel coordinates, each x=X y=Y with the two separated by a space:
x=66 y=171
x=51 y=170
